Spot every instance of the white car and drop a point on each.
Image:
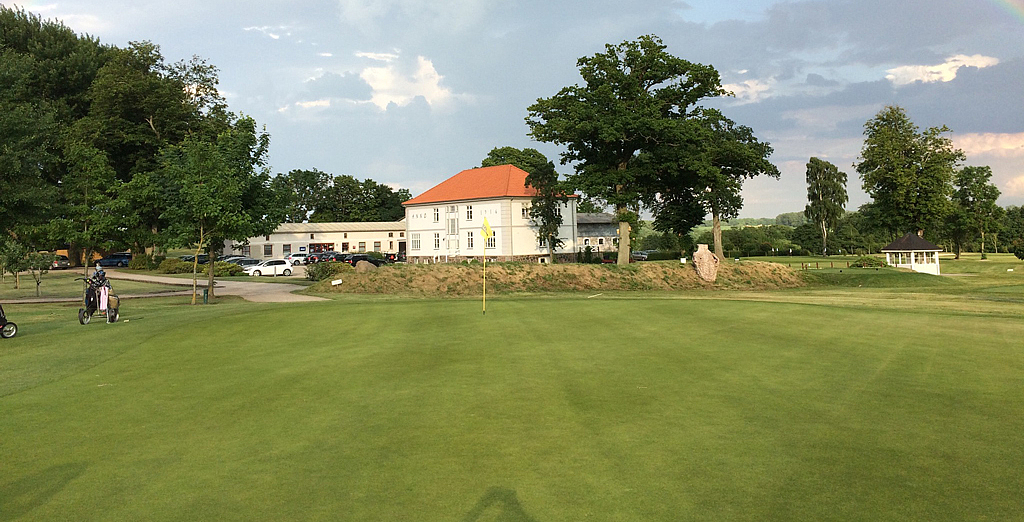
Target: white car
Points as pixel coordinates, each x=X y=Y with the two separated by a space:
x=270 y=267
x=296 y=259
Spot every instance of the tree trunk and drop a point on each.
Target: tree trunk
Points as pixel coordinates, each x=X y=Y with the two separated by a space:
x=210 y=268
x=982 y=241
x=824 y=238
x=716 y=232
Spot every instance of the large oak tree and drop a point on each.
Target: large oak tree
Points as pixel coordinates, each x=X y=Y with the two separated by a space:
x=633 y=95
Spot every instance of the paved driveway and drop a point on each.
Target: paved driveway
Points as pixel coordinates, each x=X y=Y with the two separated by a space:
x=256 y=292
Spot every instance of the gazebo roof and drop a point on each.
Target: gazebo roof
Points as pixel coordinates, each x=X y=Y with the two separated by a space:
x=911 y=243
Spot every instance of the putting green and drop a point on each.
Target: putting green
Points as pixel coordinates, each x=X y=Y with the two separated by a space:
x=544 y=409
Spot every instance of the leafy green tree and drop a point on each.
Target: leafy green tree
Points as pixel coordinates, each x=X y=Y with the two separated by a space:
x=220 y=190
x=908 y=173
x=974 y=210
x=306 y=191
x=791 y=219
x=728 y=156
x=826 y=196
x=1012 y=227
x=633 y=97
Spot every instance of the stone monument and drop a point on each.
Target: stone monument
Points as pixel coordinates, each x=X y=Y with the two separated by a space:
x=706 y=263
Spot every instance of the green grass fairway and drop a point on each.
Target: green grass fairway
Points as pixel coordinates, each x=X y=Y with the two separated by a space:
x=542 y=410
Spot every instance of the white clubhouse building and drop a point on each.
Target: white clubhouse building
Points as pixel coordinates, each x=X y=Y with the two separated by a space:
x=443 y=224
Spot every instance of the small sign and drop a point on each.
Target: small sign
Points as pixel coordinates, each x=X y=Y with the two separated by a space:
x=302 y=249
x=336 y=282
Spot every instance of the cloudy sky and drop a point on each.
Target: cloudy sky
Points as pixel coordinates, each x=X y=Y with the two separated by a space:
x=409 y=92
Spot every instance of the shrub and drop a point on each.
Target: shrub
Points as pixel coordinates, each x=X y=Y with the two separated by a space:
x=663 y=255
x=1019 y=252
x=868 y=262
x=223 y=268
x=322 y=271
x=141 y=262
x=174 y=266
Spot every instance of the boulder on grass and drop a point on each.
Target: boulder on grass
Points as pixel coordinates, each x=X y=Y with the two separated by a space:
x=365 y=266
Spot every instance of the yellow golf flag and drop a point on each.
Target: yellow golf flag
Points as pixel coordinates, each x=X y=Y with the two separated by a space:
x=486 y=230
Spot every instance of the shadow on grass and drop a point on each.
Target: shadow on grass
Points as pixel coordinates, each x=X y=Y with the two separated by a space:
x=506 y=507
x=26 y=494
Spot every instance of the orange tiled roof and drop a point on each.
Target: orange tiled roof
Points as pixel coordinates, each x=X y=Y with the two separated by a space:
x=481 y=183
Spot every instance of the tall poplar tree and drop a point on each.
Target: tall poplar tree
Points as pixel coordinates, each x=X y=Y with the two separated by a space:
x=826 y=197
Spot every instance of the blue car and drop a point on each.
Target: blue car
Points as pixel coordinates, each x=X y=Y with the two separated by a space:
x=119 y=259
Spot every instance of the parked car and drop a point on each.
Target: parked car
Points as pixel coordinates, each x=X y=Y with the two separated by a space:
x=203 y=259
x=270 y=267
x=296 y=258
x=638 y=256
x=395 y=258
x=228 y=257
x=119 y=259
x=60 y=263
x=244 y=261
x=352 y=259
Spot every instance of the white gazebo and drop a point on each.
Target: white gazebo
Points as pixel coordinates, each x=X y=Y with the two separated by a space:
x=914 y=252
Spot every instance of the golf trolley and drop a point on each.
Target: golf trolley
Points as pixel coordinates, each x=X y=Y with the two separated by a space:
x=92 y=302
x=7 y=328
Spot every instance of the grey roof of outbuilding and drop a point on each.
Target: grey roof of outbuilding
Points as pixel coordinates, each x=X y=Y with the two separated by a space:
x=355 y=226
x=602 y=218
x=911 y=243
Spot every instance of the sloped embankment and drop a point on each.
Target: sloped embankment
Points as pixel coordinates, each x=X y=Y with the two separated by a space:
x=466 y=279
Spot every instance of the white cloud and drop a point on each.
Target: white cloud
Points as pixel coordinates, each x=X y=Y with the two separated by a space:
x=1001 y=145
x=325 y=55
x=750 y=91
x=907 y=74
x=380 y=57
x=390 y=85
x=314 y=104
x=272 y=32
x=1014 y=187
x=829 y=117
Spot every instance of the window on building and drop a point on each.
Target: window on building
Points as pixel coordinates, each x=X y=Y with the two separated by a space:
x=268 y=250
x=469 y=212
x=558 y=210
x=344 y=247
x=542 y=242
x=376 y=246
x=469 y=240
x=391 y=245
x=600 y=241
x=345 y=235
x=437 y=241
x=391 y=234
x=311 y=236
x=415 y=240
x=586 y=241
x=452 y=229
x=362 y=246
x=246 y=250
x=492 y=241
x=526 y=211
x=266 y=238
x=401 y=234
x=286 y=249
x=437 y=215
x=452 y=209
